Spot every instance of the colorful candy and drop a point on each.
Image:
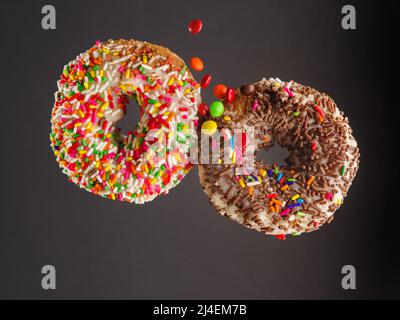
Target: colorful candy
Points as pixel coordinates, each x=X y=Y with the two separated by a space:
x=197 y=64
x=203 y=109
x=205 y=82
x=195 y=26
x=209 y=127
x=247 y=89
x=280 y=236
x=220 y=91
x=216 y=109
x=230 y=95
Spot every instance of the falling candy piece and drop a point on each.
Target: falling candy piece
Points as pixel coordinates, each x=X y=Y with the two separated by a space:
x=203 y=109
x=197 y=64
x=220 y=91
x=205 y=82
x=216 y=109
x=195 y=26
x=230 y=95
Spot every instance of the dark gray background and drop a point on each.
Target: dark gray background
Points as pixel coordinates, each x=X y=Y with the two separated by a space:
x=177 y=247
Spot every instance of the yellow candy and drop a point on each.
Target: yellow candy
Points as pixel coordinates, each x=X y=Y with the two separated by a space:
x=209 y=127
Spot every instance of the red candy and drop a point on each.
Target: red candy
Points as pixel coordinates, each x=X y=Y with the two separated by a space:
x=195 y=26
x=205 y=82
x=280 y=236
x=229 y=95
x=203 y=109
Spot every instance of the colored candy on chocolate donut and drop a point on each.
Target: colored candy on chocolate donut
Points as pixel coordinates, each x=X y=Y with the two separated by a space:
x=300 y=195
x=92 y=95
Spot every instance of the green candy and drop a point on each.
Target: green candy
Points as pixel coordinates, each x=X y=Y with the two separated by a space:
x=216 y=109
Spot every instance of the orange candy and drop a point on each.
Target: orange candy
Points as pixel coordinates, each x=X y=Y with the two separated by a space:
x=220 y=91
x=196 y=64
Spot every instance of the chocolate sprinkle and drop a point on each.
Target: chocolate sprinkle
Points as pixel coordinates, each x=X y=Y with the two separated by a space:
x=314 y=173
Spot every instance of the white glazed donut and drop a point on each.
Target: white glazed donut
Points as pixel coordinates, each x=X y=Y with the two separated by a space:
x=92 y=95
x=301 y=195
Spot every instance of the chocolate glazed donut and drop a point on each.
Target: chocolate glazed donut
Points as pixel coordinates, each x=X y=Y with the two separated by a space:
x=302 y=194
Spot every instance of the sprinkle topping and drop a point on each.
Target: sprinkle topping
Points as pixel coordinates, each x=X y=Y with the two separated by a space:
x=92 y=96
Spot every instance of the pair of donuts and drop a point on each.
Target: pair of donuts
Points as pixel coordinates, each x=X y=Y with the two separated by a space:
x=277 y=199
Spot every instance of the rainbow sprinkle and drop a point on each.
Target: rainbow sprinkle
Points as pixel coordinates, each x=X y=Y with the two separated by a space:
x=93 y=92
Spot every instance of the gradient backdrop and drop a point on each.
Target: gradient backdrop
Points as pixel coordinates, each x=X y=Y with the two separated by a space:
x=178 y=247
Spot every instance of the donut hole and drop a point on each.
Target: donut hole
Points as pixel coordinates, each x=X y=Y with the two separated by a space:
x=275 y=154
x=131 y=118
